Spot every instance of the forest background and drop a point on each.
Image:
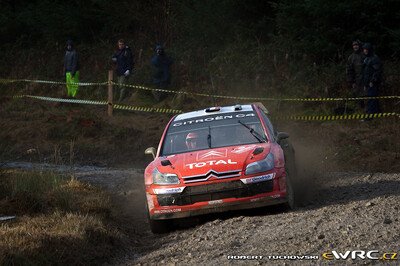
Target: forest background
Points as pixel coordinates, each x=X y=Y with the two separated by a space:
x=267 y=48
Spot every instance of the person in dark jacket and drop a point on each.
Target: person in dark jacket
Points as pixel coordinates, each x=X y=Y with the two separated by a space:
x=162 y=75
x=354 y=71
x=371 y=77
x=123 y=58
x=71 y=69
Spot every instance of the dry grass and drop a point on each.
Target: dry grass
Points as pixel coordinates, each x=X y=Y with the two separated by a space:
x=97 y=139
x=59 y=221
x=348 y=145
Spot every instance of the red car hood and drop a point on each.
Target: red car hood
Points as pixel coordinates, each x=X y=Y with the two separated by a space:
x=219 y=160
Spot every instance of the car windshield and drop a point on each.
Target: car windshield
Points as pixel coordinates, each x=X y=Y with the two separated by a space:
x=212 y=131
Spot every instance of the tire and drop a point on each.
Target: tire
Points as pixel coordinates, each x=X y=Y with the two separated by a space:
x=290 y=194
x=291 y=174
x=160 y=226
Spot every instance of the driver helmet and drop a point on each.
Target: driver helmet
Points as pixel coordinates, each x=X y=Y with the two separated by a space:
x=191 y=140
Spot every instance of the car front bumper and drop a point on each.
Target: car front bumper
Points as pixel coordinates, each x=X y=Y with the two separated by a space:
x=257 y=191
x=173 y=212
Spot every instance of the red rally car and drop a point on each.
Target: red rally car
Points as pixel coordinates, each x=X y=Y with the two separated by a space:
x=218 y=159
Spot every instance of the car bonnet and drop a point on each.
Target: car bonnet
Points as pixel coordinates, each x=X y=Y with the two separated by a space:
x=213 y=163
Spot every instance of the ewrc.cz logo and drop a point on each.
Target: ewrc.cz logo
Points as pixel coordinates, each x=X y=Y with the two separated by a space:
x=360 y=254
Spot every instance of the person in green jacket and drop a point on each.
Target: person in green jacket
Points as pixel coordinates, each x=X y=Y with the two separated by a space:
x=71 y=69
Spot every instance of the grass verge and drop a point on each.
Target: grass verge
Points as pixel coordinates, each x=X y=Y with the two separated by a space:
x=59 y=221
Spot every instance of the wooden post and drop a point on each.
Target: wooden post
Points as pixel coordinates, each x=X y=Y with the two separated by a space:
x=110 y=93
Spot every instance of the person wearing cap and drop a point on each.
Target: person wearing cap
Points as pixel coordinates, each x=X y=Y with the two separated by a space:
x=354 y=71
x=371 y=77
x=162 y=76
x=71 y=69
x=123 y=58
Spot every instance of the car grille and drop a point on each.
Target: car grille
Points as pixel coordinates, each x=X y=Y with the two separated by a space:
x=235 y=189
x=204 y=177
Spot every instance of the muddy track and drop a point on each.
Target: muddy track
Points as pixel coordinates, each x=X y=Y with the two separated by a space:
x=344 y=211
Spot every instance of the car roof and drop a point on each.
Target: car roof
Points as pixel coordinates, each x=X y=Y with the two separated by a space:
x=222 y=110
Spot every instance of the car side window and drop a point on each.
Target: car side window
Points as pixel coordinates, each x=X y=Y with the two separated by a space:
x=269 y=125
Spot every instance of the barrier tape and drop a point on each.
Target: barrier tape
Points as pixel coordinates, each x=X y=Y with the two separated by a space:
x=173 y=111
x=91 y=102
x=50 y=99
x=255 y=98
x=337 y=117
x=326 y=99
x=146 y=109
x=52 y=82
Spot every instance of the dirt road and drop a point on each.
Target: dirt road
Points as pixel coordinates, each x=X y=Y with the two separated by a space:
x=345 y=211
x=350 y=211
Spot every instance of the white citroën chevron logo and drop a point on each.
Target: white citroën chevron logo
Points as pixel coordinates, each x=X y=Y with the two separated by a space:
x=201 y=156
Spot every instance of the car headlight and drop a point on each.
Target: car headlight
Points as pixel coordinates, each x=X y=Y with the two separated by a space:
x=261 y=166
x=164 y=179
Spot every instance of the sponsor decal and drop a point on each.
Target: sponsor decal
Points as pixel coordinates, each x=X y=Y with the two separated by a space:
x=168 y=211
x=360 y=254
x=212 y=202
x=257 y=179
x=243 y=149
x=213 y=118
x=201 y=156
x=150 y=203
x=256 y=199
x=214 y=162
x=173 y=190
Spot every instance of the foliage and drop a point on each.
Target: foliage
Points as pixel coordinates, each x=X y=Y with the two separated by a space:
x=264 y=44
x=324 y=29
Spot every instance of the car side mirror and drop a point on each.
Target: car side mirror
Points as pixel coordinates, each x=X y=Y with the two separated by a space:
x=282 y=135
x=151 y=151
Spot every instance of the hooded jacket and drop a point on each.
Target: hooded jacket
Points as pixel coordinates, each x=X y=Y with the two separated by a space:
x=372 y=67
x=161 y=63
x=354 y=67
x=71 y=63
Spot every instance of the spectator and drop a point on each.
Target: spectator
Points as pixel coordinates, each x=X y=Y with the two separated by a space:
x=71 y=69
x=371 y=77
x=354 y=71
x=123 y=58
x=162 y=75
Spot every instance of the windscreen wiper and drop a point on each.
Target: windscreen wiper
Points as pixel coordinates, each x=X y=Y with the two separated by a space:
x=209 y=137
x=253 y=132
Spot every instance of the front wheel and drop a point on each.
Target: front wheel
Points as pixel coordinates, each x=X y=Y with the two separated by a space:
x=291 y=179
x=290 y=195
x=160 y=226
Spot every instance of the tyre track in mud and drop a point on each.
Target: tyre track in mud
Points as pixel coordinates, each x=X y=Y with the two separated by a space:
x=344 y=211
